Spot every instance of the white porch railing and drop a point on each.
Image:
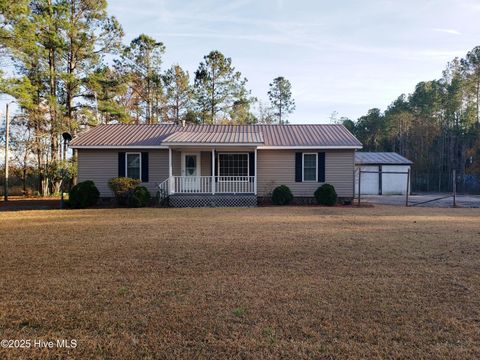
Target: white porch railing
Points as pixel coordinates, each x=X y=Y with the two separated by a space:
x=191 y=184
x=164 y=187
x=212 y=185
x=235 y=184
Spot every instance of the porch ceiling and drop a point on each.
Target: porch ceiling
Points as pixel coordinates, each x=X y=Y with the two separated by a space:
x=218 y=148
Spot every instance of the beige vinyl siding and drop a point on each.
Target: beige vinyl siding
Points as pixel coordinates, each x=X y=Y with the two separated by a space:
x=277 y=167
x=274 y=167
x=102 y=165
x=176 y=163
x=206 y=161
x=339 y=171
x=157 y=169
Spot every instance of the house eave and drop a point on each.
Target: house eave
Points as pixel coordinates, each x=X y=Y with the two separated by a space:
x=171 y=145
x=300 y=147
x=212 y=144
x=383 y=164
x=108 y=147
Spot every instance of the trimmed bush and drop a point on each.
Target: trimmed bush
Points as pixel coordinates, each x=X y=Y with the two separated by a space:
x=139 y=197
x=326 y=195
x=122 y=187
x=282 y=195
x=83 y=195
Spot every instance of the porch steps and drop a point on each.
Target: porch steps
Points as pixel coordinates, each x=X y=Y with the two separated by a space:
x=212 y=200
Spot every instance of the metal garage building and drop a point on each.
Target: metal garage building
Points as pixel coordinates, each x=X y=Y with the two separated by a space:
x=379 y=182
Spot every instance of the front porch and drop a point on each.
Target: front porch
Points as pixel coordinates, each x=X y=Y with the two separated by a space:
x=218 y=176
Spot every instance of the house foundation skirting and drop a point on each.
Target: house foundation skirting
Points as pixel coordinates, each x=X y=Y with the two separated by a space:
x=211 y=200
x=303 y=200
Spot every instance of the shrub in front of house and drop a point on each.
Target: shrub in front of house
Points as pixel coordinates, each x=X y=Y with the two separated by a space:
x=122 y=187
x=326 y=195
x=139 y=197
x=282 y=195
x=83 y=195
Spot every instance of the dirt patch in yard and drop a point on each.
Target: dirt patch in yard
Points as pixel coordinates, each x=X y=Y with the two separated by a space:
x=21 y=203
x=291 y=282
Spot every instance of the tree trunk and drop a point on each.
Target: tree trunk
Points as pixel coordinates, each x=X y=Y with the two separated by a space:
x=53 y=95
x=478 y=101
x=212 y=104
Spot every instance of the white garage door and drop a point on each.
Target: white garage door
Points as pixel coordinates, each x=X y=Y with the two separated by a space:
x=369 y=181
x=394 y=184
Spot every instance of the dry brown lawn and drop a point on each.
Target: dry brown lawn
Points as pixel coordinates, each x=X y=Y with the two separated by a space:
x=294 y=282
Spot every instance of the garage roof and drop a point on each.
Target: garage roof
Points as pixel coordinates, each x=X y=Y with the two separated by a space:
x=380 y=158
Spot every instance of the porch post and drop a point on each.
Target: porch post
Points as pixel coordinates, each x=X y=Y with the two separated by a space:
x=170 y=177
x=213 y=171
x=255 y=178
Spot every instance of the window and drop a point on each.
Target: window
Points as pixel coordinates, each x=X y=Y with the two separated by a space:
x=133 y=165
x=190 y=165
x=310 y=167
x=233 y=164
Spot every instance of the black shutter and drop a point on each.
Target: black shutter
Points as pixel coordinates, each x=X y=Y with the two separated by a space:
x=251 y=164
x=321 y=167
x=121 y=164
x=298 y=167
x=144 y=167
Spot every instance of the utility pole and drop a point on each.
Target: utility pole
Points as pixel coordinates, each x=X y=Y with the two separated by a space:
x=408 y=187
x=454 y=186
x=7 y=140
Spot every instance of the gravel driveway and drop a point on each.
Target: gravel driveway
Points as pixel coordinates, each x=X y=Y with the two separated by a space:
x=464 y=201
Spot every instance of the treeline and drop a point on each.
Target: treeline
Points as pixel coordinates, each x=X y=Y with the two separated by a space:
x=66 y=66
x=437 y=127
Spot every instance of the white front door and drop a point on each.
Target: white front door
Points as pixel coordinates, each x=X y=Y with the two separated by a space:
x=190 y=172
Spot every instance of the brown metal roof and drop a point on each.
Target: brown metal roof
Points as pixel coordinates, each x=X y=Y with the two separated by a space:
x=124 y=135
x=321 y=135
x=380 y=158
x=307 y=135
x=215 y=134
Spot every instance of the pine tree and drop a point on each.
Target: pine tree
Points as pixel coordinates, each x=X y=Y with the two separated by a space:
x=178 y=94
x=141 y=62
x=217 y=87
x=280 y=95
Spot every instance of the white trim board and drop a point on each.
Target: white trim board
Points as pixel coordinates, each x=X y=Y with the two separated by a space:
x=308 y=147
x=117 y=147
x=214 y=144
x=259 y=147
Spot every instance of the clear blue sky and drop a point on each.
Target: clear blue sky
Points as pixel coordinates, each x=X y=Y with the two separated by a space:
x=344 y=56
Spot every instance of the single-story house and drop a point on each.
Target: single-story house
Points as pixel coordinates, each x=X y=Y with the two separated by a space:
x=219 y=165
x=383 y=173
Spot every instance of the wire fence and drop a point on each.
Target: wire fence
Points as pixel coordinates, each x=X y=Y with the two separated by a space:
x=441 y=182
x=17 y=186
